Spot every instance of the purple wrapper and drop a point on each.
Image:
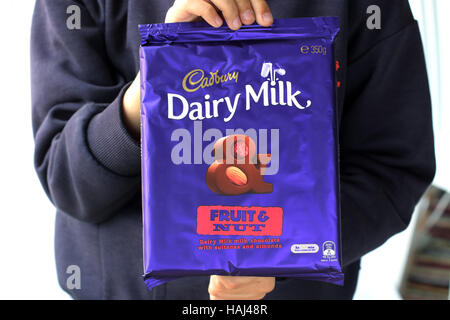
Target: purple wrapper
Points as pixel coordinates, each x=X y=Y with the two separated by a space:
x=240 y=151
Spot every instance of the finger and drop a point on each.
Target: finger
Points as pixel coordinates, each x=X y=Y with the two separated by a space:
x=240 y=287
x=233 y=296
x=230 y=12
x=218 y=291
x=220 y=286
x=233 y=283
x=246 y=11
x=262 y=12
x=188 y=11
x=255 y=285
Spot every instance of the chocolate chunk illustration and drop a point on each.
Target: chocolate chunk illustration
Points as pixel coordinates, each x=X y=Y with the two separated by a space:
x=237 y=168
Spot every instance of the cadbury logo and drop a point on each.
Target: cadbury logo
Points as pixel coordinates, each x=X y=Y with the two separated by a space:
x=197 y=79
x=272 y=92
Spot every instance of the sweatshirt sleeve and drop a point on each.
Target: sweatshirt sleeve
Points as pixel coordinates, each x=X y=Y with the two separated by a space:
x=86 y=161
x=386 y=138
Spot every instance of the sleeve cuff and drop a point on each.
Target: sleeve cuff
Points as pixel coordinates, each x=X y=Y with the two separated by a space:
x=110 y=142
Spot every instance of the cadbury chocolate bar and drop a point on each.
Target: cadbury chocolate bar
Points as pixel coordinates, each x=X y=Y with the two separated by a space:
x=239 y=150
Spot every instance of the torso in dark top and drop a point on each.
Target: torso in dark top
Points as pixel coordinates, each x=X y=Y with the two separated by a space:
x=109 y=254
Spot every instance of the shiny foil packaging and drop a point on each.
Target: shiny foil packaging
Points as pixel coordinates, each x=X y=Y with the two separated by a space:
x=240 y=151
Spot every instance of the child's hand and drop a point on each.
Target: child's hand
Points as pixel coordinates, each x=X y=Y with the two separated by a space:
x=235 y=12
x=240 y=288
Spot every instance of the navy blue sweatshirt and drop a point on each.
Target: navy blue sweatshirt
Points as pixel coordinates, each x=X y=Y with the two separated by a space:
x=89 y=165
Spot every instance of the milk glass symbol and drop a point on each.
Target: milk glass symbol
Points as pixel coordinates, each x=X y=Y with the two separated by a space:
x=268 y=70
x=329 y=249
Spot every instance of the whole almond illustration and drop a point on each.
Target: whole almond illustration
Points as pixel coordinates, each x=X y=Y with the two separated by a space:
x=236 y=175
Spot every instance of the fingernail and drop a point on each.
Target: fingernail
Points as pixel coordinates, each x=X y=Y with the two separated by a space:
x=247 y=16
x=267 y=18
x=218 y=22
x=236 y=23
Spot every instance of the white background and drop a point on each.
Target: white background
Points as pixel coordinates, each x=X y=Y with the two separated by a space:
x=27 y=269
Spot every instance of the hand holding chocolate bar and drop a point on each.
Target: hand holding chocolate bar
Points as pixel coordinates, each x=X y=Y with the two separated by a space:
x=240 y=288
x=239 y=153
x=235 y=12
x=131 y=108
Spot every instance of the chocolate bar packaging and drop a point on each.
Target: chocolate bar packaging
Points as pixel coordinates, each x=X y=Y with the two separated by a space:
x=240 y=151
